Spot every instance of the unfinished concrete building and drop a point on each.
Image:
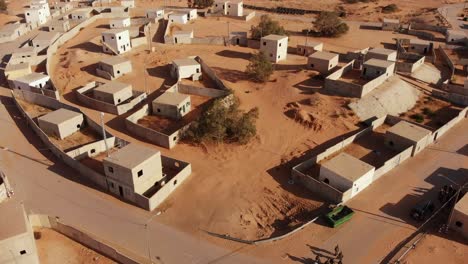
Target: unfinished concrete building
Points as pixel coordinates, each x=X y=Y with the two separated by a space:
x=116 y=41
x=133 y=169
x=390 y=24
x=309 y=48
x=186 y=68
x=121 y=22
x=460 y=217
x=61 y=26
x=61 y=123
x=420 y=46
x=155 y=13
x=345 y=172
x=322 y=61
x=382 y=54
x=81 y=14
x=17 y=244
x=113 y=92
x=404 y=134
x=275 y=47
x=374 y=68
x=172 y=105
x=114 y=67
x=229 y=8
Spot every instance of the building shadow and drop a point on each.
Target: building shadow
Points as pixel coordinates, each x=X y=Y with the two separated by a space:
x=103 y=26
x=234 y=54
x=370 y=27
x=300 y=259
x=90 y=69
x=88 y=46
x=290 y=67
x=311 y=85
x=162 y=71
x=463 y=150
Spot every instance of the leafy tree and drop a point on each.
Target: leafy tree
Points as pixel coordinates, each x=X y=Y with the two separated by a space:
x=259 y=68
x=266 y=27
x=200 y=3
x=329 y=24
x=390 y=8
x=3 y=5
x=221 y=123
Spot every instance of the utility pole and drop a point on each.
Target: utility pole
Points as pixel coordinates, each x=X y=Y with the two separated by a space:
x=104 y=133
x=228 y=34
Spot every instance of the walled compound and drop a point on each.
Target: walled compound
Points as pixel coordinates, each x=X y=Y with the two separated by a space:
x=186 y=68
x=113 y=67
x=309 y=48
x=59 y=26
x=36 y=83
x=455 y=88
x=61 y=123
x=322 y=61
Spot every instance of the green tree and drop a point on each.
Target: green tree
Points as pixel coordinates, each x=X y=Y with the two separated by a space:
x=3 y=5
x=200 y=3
x=260 y=68
x=329 y=24
x=266 y=27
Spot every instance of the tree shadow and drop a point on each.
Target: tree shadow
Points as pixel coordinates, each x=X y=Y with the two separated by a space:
x=290 y=67
x=231 y=75
x=88 y=46
x=234 y=54
x=300 y=259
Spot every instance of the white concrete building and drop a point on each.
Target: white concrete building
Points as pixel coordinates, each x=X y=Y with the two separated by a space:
x=35 y=16
x=14 y=71
x=122 y=22
x=128 y=3
x=390 y=24
x=374 y=68
x=420 y=46
x=345 y=172
x=404 y=134
x=114 y=67
x=186 y=68
x=23 y=55
x=17 y=244
x=275 y=47
x=43 y=40
x=113 y=92
x=59 y=26
x=183 y=37
x=382 y=54
x=309 y=48
x=63 y=7
x=155 y=13
x=172 y=105
x=229 y=8
x=81 y=14
x=41 y=4
x=61 y=123
x=36 y=80
x=178 y=18
x=322 y=61
x=116 y=41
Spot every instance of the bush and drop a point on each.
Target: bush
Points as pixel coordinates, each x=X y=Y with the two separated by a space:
x=417 y=117
x=389 y=8
x=428 y=112
x=266 y=27
x=259 y=68
x=221 y=123
x=329 y=24
x=3 y=5
x=200 y=3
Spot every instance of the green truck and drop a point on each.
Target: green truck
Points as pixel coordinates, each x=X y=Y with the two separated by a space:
x=339 y=215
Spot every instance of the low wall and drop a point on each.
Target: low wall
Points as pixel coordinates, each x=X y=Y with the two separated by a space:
x=185 y=169
x=208 y=92
x=80 y=237
x=451 y=97
x=138 y=97
x=212 y=75
x=422 y=26
x=136 y=42
x=458 y=89
x=91 y=150
x=209 y=40
x=445 y=128
x=253 y=44
x=421 y=34
x=392 y=163
x=368 y=87
x=249 y=16
x=54 y=94
x=168 y=39
x=326 y=191
x=447 y=60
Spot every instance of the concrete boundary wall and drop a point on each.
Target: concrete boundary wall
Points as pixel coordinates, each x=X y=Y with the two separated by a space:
x=451 y=97
x=141 y=41
x=153 y=202
x=81 y=237
x=423 y=26
x=448 y=61
x=421 y=34
x=208 y=92
x=168 y=39
x=371 y=85
x=392 y=163
x=410 y=67
x=138 y=97
x=54 y=94
x=210 y=73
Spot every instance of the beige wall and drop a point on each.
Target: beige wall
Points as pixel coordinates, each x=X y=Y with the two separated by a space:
x=114 y=98
x=172 y=111
x=274 y=50
x=63 y=129
x=335 y=180
x=322 y=66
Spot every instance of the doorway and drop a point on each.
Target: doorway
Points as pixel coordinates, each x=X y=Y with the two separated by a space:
x=121 y=191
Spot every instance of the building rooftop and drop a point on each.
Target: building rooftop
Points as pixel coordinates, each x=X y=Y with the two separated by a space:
x=114 y=31
x=32 y=77
x=82 y=11
x=12 y=222
x=183 y=33
x=347 y=166
x=323 y=55
x=419 y=41
x=113 y=87
x=59 y=116
x=16 y=67
x=382 y=51
x=169 y=98
x=379 y=63
x=462 y=205
x=409 y=131
x=274 y=37
x=46 y=36
x=311 y=44
x=11 y=27
x=114 y=60
x=131 y=155
x=185 y=62
x=389 y=20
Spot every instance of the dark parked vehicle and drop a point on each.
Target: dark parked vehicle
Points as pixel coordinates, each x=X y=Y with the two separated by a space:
x=422 y=210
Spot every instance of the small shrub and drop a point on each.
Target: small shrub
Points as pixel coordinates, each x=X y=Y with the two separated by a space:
x=3 y=5
x=265 y=27
x=200 y=3
x=390 y=9
x=260 y=68
x=329 y=24
x=417 y=117
x=428 y=112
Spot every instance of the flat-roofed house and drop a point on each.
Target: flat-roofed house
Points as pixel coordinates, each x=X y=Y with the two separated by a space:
x=10 y=32
x=116 y=41
x=35 y=16
x=41 y=4
x=121 y=22
x=128 y=3
x=345 y=172
x=229 y=8
x=390 y=24
x=61 y=123
x=133 y=169
x=309 y=48
x=275 y=47
x=172 y=105
x=420 y=46
x=44 y=39
x=114 y=67
x=459 y=221
x=63 y=7
x=405 y=134
x=59 y=26
x=183 y=37
x=14 y=71
x=220 y=6
x=374 y=68
x=81 y=14
x=455 y=36
x=23 y=55
x=322 y=61
x=178 y=18
x=239 y=38
x=17 y=243
x=382 y=54
x=113 y=92
x=36 y=80
x=155 y=13
x=186 y=68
